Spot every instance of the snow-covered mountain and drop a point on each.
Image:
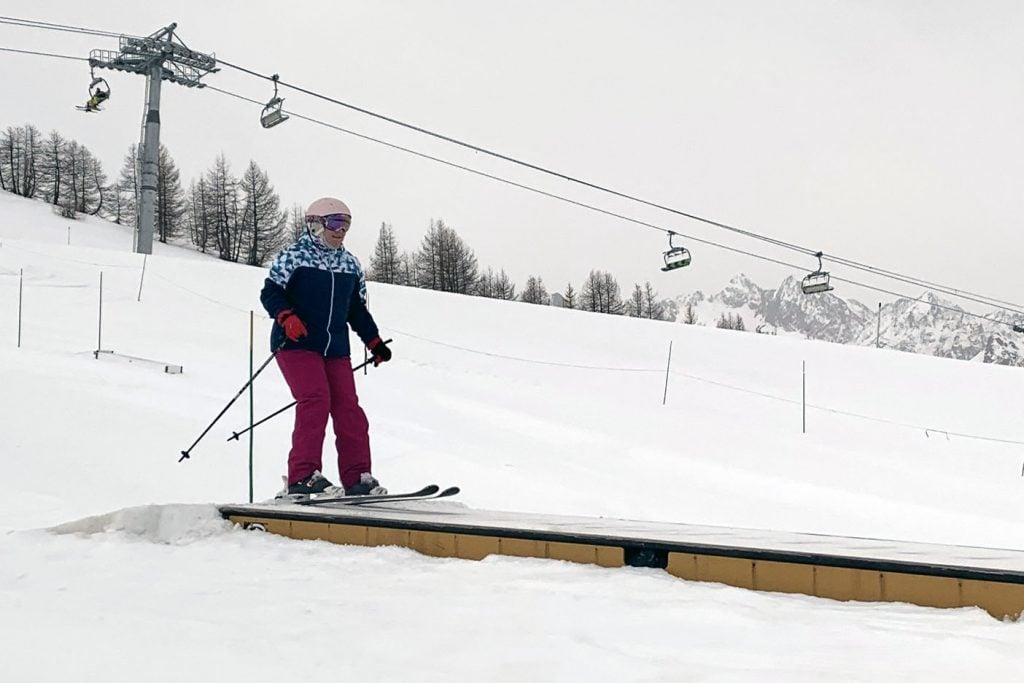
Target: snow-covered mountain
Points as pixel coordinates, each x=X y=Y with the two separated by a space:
x=922 y=325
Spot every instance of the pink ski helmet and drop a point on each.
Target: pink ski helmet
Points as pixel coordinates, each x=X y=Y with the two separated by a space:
x=326 y=206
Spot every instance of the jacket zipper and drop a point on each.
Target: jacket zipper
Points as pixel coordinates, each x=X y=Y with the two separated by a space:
x=330 y=313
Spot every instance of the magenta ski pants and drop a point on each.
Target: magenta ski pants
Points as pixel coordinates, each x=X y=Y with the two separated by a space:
x=325 y=387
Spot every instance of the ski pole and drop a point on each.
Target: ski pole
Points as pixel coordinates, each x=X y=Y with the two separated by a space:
x=234 y=435
x=185 y=453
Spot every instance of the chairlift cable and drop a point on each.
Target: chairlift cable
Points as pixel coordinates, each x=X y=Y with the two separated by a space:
x=596 y=209
x=512 y=183
x=43 y=54
x=32 y=23
x=950 y=291
x=525 y=164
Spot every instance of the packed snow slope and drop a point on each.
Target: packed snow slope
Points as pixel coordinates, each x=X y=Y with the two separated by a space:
x=527 y=408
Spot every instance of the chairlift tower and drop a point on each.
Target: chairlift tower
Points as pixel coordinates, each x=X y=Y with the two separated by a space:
x=160 y=57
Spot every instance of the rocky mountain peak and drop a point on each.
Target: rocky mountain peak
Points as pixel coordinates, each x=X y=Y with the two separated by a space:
x=926 y=324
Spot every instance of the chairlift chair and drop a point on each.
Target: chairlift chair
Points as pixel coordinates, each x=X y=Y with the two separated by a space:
x=818 y=281
x=98 y=87
x=272 y=114
x=99 y=92
x=675 y=257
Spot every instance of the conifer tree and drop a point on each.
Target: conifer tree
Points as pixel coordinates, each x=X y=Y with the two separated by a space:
x=296 y=222
x=635 y=304
x=569 y=295
x=97 y=184
x=504 y=288
x=51 y=167
x=407 y=274
x=86 y=182
x=262 y=224
x=199 y=217
x=601 y=294
x=384 y=262
x=485 y=284
x=535 y=292
x=225 y=206
x=171 y=203
x=651 y=307
x=444 y=262
x=20 y=150
x=127 y=187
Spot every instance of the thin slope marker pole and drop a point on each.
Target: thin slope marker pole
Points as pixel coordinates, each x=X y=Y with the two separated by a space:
x=21 y=287
x=252 y=324
x=668 y=366
x=143 y=276
x=99 y=325
x=878 y=331
x=803 y=400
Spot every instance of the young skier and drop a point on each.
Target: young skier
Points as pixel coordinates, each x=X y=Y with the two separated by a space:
x=315 y=291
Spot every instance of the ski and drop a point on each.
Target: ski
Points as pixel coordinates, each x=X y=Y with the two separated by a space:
x=431 y=492
x=320 y=500
x=360 y=500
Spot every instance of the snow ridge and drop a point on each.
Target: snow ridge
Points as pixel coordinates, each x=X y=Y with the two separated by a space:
x=164 y=524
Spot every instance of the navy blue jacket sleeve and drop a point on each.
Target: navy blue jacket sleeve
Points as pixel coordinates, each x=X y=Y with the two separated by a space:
x=361 y=320
x=359 y=317
x=273 y=298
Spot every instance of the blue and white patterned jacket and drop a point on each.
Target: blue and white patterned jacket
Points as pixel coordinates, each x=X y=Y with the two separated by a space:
x=325 y=287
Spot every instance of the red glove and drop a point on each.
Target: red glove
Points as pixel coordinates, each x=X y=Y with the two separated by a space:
x=379 y=349
x=293 y=327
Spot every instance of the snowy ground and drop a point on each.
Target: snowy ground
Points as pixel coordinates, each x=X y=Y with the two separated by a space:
x=527 y=408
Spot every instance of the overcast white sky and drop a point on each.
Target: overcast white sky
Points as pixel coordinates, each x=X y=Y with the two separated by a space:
x=884 y=132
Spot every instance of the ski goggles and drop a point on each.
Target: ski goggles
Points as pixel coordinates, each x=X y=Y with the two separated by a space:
x=332 y=222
